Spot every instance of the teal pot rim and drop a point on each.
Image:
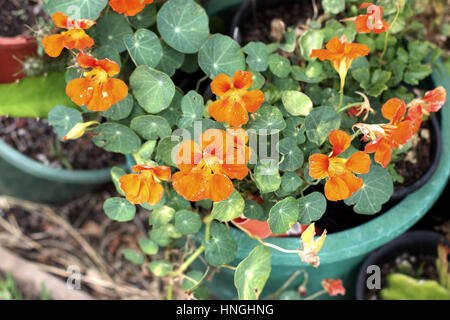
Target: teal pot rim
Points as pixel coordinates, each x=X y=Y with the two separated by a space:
x=35 y=168
x=371 y=235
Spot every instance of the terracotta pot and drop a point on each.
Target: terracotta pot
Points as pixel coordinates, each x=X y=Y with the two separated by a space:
x=12 y=51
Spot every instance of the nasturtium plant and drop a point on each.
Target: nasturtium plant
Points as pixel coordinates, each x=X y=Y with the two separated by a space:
x=221 y=136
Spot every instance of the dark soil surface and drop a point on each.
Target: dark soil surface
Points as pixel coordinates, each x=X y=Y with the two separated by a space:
x=417 y=160
x=421 y=266
x=258 y=27
x=37 y=140
x=16 y=15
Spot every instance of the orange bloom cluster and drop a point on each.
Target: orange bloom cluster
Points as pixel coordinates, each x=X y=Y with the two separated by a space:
x=341 y=55
x=431 y=102
x=98 y=91
x=235 y=100
x=341 y=183
x=74 y=38
x=386 y=137
x=144 y=186
x=129 y=7
x=207 y=167
x=334 y=287
x=372 y=21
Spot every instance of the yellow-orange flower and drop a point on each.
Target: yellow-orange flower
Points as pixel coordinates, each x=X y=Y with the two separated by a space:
x=311 y=247
x=372 y=21
x=144 y=186
x=235 y=100
x=341 y=55
x=98 y=91
x=129 y=7
x=74 y=38
x=341 y=183
x=207 y=167
x=385 y=137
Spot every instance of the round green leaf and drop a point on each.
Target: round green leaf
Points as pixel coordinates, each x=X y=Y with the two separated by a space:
x=119 y=209
x=160 y=268
x=320 y=122
x=62 y=119
x=173 y=112
x=280 y=66
x=292 y=156
x=165 y=152
x=146 y=150
x=120 y=110
x=283 y=215
x=115 y=137
x=112 y=29
x=144 y=48
x=376 y=190
x=267 y=176
x=254 y=211
x=171 y=60
x=161 y=216
x=257 y=57
x=229 y=209
x=75 y=9
x=252 y=273
x=164 y=234
x=188 y=222
x=297 y=103
x=146 y=18
x=311 y=39
x=153 y=89
x=333 y=6
x=220 y=248
x=151 y=127
x=133 y=256
x=295 y=128
x=221 y=54
x=290 y=182
x=192 y=107
x=312 y=207
x=267 y=120
x=183 y=24
x=148 y=246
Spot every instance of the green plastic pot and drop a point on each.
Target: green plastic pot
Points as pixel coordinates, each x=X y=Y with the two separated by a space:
x=343 y=252
x=24 y=178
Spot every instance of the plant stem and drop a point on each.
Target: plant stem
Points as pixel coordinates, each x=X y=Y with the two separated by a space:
x=316 y=295
x=275 y=295
x=199 y=83
x=170 y=291
x=389 y=31
x=344 y=108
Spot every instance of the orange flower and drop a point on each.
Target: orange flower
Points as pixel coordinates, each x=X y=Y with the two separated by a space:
x=129 y=7
x=432 y=102
x=388 y=136
x=372 y=21
x=74 y=38
x=341 y=183
x=206 y=168
x=235 y=101
x=144 y=186
x=341 y=55
x=311 y=246
x=334 y=287
x=363 y=108
x=97 y=91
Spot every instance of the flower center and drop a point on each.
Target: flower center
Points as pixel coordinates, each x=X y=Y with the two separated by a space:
x=97 y=75
x=234 y=96
x=336 y=166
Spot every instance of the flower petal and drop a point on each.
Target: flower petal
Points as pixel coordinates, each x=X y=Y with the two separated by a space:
x=353 y=183
x=318 y=166
x=191 y=186
x=188 y=155
x=435 y=99
x=60 y=20
x=359 y=162
x=131 y=185
x=340 y=140
x=361 y=24
x=156 y=192
x=336 y=189
x=221 y=84
x=219 y=187
x=85 y=60
x=77 y=39
x=224 y=110
x=253 y=100
x=162 y=172
x=242 y=80
x=80 y=91
x=53 y=45
x=393 y=109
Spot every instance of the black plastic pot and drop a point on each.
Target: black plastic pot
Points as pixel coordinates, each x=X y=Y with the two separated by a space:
x=245 y=12
x=413 y=242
